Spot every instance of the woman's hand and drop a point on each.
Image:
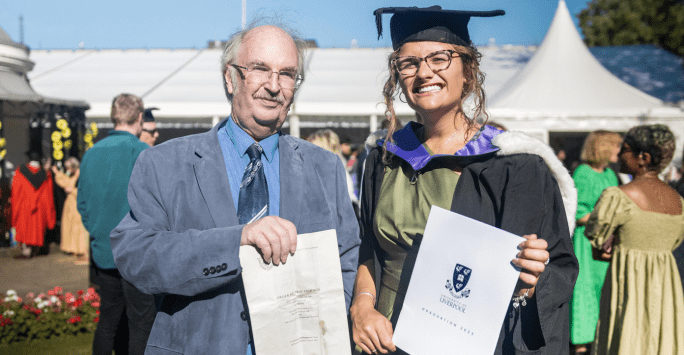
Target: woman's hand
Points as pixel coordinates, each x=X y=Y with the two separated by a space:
x=600 y=255
x=605 y=253
x=532 y=258
x=371 y=331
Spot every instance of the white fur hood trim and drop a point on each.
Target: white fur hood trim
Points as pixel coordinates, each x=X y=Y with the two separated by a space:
x=372 y=140
x=517 y=142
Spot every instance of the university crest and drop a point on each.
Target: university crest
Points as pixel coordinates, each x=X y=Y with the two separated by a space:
x=457 y=284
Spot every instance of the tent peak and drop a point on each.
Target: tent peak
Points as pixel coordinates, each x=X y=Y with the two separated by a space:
x=564 y=76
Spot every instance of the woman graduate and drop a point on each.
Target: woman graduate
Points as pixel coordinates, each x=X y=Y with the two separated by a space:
x=507 y=180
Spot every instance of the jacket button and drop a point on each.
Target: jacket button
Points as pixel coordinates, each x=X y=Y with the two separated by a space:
x=219 y=268
x=212 y=270
x=205 y=271
x=243 y=315
x=224 y=266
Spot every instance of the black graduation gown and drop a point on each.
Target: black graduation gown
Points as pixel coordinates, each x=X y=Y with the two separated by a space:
x=518 y=194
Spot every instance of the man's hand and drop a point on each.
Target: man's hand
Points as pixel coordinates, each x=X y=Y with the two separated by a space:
x=275 y=238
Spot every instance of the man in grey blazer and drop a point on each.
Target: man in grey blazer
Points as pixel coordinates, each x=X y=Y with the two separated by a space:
x=182 y=237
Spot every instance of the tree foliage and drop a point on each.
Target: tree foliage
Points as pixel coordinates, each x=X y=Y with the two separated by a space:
x=629 y=22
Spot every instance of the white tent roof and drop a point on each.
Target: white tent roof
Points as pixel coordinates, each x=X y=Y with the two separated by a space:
x=342 y=80
x=98 y=76
x=186 y=83
x=564 y=78
x=14 y=64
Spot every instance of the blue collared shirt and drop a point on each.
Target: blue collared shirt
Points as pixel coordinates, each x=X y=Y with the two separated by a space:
x=234 y=143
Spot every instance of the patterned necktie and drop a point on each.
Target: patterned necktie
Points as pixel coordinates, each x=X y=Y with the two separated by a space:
x=253 y=199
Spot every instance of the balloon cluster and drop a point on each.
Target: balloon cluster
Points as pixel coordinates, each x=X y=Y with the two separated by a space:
x=3 y=144
x=61 y=139
x=90 y=134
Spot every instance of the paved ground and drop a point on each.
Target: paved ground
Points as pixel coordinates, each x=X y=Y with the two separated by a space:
x=41 y=273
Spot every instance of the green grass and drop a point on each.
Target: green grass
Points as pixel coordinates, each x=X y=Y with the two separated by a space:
x=81 y=344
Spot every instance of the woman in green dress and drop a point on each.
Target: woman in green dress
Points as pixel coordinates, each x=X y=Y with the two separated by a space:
x=642 y=303
x=591 y=178
x=505 y=179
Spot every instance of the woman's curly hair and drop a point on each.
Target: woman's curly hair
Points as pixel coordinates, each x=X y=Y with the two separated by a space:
x=657 y=140
x=470 y=60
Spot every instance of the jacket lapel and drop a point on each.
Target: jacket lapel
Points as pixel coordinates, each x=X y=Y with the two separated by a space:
x=292 y=179
x=212 y=178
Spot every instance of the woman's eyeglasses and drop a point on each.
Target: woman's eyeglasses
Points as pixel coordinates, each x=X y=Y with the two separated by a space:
x=436 y=61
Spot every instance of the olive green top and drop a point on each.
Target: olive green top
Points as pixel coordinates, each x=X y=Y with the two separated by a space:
x=401 y=215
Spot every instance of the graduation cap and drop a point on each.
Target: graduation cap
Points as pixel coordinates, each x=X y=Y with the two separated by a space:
x=415 y=24
x=34 y=154
x=147 y=116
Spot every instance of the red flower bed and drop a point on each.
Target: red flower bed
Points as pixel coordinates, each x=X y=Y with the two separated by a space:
x=47 y=315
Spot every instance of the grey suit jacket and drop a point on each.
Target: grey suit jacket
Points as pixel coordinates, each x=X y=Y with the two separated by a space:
x=182 y=237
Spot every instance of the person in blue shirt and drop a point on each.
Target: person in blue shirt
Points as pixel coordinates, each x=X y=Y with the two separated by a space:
x=105 y=172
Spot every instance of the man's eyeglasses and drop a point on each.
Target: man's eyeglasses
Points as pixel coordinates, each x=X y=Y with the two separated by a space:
x=259 y=74
x=436 y=61
x=151 y=131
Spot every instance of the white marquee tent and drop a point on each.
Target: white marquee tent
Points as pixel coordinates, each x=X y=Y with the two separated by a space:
x=564 y=88
x=186 y=83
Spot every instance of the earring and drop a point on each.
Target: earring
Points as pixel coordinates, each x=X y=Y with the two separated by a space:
x=401 y=93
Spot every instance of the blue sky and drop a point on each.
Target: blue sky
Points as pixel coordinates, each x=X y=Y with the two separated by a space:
x=185 y=24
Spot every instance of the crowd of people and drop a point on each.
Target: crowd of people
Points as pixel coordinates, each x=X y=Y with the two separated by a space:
x=601 y=263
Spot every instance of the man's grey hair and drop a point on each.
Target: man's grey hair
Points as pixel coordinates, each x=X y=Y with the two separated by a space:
x=232 y=49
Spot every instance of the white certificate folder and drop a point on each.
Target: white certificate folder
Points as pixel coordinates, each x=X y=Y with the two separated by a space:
x=460 y=289
x=297 y=307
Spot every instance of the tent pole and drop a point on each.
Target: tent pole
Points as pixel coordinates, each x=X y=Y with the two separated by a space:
x=294 y=126
x=244 y=14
